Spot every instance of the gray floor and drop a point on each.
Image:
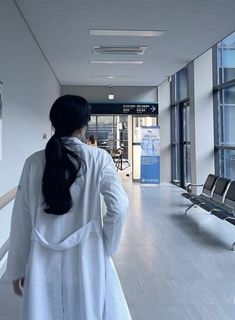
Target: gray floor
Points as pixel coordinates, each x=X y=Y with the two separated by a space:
x=172 y=267
x=175 y=267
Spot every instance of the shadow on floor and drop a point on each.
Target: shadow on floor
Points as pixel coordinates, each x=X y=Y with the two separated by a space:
x=201 y=228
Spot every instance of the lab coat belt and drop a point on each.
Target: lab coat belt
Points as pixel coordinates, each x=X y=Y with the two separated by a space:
x=72 y=240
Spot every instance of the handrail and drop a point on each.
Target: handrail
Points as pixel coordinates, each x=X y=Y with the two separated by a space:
x=4 y=248
x=5 y=200
x=8 y=197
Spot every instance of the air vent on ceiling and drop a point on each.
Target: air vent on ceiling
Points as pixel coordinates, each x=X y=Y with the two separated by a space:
x=138 y=50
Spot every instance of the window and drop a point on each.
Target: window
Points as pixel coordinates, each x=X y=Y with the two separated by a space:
x=226 y=115
x=227 y=163
x=180 y=129
x=224 y=107
x=175 y=143
x=181 y=84
x=226 y=59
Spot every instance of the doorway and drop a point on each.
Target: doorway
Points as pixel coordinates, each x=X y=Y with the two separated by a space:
x=116 y=133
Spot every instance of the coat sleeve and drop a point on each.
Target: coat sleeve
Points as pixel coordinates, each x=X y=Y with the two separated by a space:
x=116 y=202
x=21 y=227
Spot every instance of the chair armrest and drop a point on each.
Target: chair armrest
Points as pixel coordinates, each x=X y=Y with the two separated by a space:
x=218 y=210
x=190 y=185
x=229 y=217
x=200 y=204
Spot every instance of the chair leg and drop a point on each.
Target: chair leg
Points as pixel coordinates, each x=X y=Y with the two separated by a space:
x=233 y=246
x=188 y=209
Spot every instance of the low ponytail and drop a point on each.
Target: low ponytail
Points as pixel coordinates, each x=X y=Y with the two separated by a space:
x=68 y=114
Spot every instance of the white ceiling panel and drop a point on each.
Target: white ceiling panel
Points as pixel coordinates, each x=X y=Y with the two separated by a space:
x=61 y=28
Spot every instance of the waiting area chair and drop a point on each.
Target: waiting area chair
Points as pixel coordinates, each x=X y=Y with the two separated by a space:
x=206 y=191
x=217 y=198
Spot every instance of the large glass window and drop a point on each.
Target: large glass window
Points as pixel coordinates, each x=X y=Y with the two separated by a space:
x=227 y=163
x=180 y=129
x=224 y=107
x=226 y=115
x=175 y=144
x=181 y=84
x=186 y=143
x=226 y=59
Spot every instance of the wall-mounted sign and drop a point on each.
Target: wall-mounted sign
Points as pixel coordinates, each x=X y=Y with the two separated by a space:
x=124 y=108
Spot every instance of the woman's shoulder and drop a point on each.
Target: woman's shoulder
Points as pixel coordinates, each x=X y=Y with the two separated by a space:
x=98 y=154
x=104 y=156
x=36 y=157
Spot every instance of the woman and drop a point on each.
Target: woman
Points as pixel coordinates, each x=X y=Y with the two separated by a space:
x=91 y=141
x=60 y=247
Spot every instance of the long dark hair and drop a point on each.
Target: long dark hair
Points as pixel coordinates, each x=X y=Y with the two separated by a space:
x=92 y=139
x=68 y=114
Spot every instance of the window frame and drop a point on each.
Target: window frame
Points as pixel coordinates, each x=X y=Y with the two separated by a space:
x=177 y=164
x=217 y=89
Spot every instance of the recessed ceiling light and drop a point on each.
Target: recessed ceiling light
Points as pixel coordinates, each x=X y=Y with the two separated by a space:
x=103 y=76
x=116 y=61
x=127 y=33
x=111 y=96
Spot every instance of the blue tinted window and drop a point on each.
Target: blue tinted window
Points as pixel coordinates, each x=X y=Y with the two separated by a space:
x=181 y=84
x=226 y=59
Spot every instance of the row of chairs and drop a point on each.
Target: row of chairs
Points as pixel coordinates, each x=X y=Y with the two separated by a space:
x=217 y=198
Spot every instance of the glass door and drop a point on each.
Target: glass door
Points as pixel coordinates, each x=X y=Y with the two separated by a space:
x=111 y=133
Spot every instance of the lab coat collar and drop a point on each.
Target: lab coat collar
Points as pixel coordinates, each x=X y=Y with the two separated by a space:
x=72 y=140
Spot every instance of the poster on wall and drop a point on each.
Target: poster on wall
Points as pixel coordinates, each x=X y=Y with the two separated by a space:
x=150 y=155
x=1 y=89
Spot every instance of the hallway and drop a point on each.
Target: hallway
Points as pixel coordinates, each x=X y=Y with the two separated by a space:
x=175 y=267
x=171 y=267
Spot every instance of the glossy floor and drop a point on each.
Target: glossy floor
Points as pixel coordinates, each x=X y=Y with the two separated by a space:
x=175 y=267
x=171 y=266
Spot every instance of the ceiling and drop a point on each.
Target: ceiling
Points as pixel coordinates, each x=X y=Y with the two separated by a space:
x=61 y=29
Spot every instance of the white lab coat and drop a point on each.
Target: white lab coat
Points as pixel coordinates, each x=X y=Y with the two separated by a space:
x=66 y=260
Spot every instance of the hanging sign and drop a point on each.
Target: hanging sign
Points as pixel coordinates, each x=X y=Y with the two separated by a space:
x=150 y=155
x=124 y=108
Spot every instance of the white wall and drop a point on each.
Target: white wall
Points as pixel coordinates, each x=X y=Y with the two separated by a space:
x=122 y=94
x=29 y=90
x=165 y=130
x=202 y=129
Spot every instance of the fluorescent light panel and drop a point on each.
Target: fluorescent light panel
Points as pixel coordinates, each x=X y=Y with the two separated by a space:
x=101 y=76
x=116 y=62
x=127 y=33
